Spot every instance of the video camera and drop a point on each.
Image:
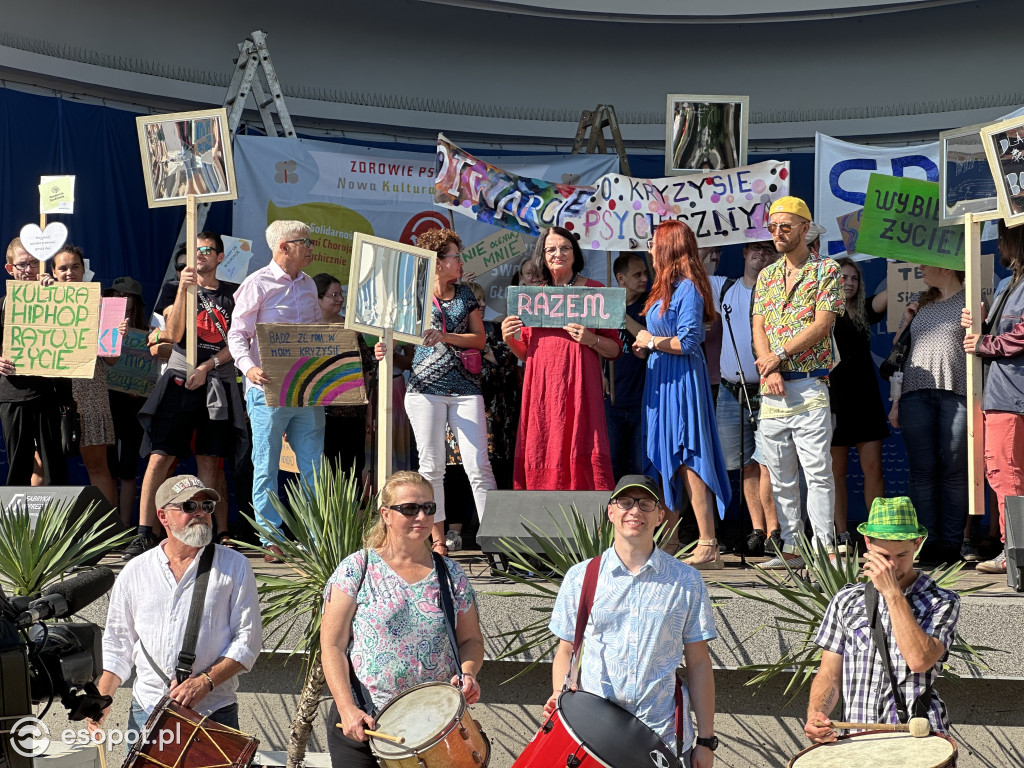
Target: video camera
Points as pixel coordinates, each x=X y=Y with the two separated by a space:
x=40 y=661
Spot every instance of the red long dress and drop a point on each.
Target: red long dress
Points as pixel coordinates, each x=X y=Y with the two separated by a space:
x=563 y=437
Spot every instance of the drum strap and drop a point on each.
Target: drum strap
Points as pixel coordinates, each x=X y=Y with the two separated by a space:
x=448 y=607
x=187 y=654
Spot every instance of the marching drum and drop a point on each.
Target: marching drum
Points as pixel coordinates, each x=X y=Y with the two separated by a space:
x=880 y=749
x=586 y=730
x=434 y=720
x=177 y=736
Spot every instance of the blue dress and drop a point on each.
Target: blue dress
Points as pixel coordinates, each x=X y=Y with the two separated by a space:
x=679 y=414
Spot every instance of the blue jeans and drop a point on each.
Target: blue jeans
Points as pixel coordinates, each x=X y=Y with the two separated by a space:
x=305 y=428
x=625 y=438
x=727 y=416
x=137 y=716
x=934 y=424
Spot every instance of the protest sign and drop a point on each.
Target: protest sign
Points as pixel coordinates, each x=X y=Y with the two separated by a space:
x=43 y=243
x=56 y=194
x=288 y=462
x=904 y=283
x=237 y=252
x=617 y=213
x=1004 y=149
x=555 y=306
x=51 y=331
x=849 y=229
x=112 y=311
x=136 y=370
x=491 y=252
x=310 y=364
x=901 y=221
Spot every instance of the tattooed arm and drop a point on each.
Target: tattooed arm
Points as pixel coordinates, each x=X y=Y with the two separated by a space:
x=824 y=696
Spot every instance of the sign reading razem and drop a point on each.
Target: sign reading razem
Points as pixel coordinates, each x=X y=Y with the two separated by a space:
x=556 y=306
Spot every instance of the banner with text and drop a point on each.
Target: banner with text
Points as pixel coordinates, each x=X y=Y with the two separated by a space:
x=904 y=283
x=616 y=213
x=315 y=364
x=555 y=306
x=340 y=189
x=52 y=331
x=112 y=310
x=136 y=370
x=493 y=251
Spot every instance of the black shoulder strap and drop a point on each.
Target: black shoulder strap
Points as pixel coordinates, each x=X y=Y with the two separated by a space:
x=448 y=606
x=729 y=283
x=187 y=654
x=881 y=643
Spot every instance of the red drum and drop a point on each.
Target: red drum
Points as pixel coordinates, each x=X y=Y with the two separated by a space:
x=177 y=736
x=586 y=730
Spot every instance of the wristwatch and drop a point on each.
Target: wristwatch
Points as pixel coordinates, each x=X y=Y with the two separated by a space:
x=780 y=352
x=216 y=362
x=711 y=742
x=650 y=344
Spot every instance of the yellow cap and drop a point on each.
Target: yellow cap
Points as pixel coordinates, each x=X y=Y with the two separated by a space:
x=793 y=205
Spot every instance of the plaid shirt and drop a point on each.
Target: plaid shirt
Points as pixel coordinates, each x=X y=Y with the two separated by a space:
x=867 y=696
x=818 y=287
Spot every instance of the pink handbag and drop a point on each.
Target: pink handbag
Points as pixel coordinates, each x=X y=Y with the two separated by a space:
x=471 y=359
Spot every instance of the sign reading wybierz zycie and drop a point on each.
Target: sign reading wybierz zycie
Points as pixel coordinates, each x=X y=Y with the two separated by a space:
x=556 y=306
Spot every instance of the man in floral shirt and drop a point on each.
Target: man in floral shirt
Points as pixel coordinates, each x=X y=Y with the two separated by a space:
x=796 y=300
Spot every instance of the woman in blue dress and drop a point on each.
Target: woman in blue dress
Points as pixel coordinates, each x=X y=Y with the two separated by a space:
x=679 y=431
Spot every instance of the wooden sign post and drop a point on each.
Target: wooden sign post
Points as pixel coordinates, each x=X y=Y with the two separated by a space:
x=192 y=297
x=385 y=410
x=975 y=421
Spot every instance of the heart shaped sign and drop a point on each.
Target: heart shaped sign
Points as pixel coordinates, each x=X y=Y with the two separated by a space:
x=43 y=243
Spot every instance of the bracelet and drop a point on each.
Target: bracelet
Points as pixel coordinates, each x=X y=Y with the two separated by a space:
x=208 y=679
x=596 y=340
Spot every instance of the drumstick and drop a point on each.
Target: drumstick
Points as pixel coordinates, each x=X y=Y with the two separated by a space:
x=918 y=727
x=103 y=758
x=379 y=735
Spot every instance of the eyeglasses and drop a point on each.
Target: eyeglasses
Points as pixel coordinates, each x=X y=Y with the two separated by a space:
x=305 y=241
x=556 y=249
x=626 y=503
x=338 y=296
x=191 y=507
x=763 y=253
x=411 y=509
x=206 y=250
x=27 y=266
x=784 y=228
x=179 y=267
x=650 y=243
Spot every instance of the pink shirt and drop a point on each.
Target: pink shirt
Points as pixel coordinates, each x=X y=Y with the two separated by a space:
x=268 y=295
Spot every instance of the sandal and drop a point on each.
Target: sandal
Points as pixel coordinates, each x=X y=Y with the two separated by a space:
x=708 y=565
x=224 y=539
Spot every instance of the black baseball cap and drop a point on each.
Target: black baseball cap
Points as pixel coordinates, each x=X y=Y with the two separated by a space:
x=637 y=481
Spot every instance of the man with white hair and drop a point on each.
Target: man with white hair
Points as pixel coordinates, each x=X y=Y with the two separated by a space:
x=279 y=293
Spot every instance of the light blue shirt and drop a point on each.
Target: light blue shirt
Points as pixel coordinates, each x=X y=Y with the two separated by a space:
x=634 y=640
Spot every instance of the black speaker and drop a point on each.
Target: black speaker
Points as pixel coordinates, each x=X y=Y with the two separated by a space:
x=506 y=511
x=1015 y=542
x=80 y=496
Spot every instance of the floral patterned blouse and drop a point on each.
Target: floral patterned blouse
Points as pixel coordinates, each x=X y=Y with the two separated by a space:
x=399 y=638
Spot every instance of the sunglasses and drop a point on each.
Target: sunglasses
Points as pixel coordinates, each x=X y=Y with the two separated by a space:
x=191 y=507
x=179 y=267
x=626 y=503
x=206 y=250
x=411 y=509
x=783 y=228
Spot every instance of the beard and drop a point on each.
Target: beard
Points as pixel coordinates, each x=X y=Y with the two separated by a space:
x=194 y=535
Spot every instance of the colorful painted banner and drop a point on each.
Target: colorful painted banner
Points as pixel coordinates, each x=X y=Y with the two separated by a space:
x=310 y=364
x=491 y=252
x=901 y=221
x=849 y=229
x=904 y=283
x=136 y=370
x=556 y=306
x=51 y=331
x=617 y=213
x=112 y=311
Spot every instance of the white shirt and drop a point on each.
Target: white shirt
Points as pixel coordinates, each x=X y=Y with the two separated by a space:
x=738 y=297
x=147 y=606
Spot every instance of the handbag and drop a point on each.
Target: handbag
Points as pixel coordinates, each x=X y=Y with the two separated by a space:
x=897 y=355
x=70 y=429
x=471 y=359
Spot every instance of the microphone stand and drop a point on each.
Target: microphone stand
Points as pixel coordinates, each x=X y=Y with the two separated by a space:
x=745 y=398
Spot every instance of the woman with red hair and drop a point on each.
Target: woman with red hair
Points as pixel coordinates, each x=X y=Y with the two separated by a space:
x=680 y=434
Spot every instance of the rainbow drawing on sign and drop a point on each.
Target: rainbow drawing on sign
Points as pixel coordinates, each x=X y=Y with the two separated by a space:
x=321 y=380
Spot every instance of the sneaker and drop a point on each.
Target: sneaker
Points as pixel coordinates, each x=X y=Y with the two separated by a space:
x=779 y=563
x=138 y=546
x=755 y=542
x=843 y=543
x=773 y=544
x=968 y=553
x=996 y=565
x=453 y=540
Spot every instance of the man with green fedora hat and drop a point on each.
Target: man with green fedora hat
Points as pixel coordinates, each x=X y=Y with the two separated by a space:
x=883 y=640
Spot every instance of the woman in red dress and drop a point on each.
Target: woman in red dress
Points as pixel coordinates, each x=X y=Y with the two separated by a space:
x=563 y=438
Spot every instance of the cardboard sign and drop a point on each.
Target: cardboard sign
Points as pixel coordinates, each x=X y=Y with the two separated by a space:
x=556 y=306
x=136 y=370
x=618 y=213
x=288 y=462
x=237 y=252
x=112 y=311
x=56 y=194
x=901 y=221
x=311 y=364
x=491 y=252
x=905 y=283
x=51 y=331
x=43 y=243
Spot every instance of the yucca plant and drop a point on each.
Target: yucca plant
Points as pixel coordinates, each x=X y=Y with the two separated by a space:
x=35 y=553
x=326 y=522
x=802 y=607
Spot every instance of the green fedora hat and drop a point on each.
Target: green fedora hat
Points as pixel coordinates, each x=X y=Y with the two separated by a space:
x=892 y=520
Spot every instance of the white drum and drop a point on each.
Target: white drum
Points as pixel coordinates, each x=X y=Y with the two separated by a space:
x=878 y=749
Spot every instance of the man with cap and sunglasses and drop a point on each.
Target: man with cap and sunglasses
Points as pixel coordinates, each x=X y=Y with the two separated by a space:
x=796 y=300
x=149 y=612
x=899 y=612
x=650 y=612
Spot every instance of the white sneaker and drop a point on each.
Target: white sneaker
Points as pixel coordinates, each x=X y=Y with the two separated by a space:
x=453 y=540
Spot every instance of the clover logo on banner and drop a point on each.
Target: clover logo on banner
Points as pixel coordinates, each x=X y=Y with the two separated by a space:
x=43 y=244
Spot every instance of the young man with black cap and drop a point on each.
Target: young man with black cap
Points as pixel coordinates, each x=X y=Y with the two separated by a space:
x=631 y=654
